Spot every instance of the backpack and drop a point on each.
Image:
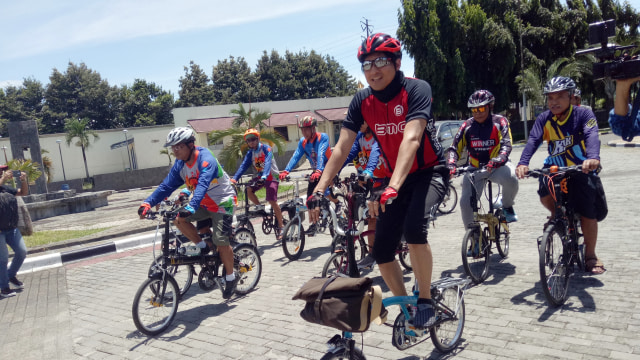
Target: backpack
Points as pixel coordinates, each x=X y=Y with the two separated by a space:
x=8 y=211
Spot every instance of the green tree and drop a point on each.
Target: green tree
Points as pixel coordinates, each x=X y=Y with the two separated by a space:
x=274 y=73
x=233 y=82
x=78 y=93
x=195 y=87
x=235 y=150
x=76 y=128
x=143 y=104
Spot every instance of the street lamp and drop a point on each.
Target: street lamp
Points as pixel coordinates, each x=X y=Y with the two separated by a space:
x=4 y=149
x=126 y=143
x=61 y=161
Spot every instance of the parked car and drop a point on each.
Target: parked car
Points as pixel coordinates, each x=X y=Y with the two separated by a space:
x=446 y=130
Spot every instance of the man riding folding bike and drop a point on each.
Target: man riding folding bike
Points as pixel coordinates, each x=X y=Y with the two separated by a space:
x=213 y=200
x=398 y=110
x=261 y=156
x=487 y=138
x=572 y=136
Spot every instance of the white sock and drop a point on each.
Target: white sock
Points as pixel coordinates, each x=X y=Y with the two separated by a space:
x=201 y=244
x=230 y=277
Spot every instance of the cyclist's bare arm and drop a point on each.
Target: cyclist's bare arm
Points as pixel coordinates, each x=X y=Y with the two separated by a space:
x=340 y=153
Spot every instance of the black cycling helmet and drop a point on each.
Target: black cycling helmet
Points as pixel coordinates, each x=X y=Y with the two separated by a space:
x=480 y=98
x=380 y=43
x=559 y=83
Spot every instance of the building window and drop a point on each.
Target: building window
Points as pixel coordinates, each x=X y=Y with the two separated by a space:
x=282 y=130
x=337 y=125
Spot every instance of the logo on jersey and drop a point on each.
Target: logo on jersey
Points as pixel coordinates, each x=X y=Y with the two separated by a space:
x=591 y=123
x=398 y=110
x=390 y=129
x=560 y=146
x=483 y=143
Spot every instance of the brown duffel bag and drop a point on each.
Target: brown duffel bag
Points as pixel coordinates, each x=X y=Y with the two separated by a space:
x=347 y=304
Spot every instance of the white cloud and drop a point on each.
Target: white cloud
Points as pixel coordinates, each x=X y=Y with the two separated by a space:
x=41 y=26
x=6 y=83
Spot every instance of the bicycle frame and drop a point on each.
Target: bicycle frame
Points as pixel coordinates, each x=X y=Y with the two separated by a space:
x=489 y=217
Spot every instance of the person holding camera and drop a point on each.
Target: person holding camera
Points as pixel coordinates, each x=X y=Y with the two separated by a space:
x=571 y=133
x=9 y=233
x=620 y=117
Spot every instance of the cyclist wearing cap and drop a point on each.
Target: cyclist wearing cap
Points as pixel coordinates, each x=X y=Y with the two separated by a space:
x=315 y=146
x=261 y=156
x=487 y=138
x=213 y=201
x=571 y=133
x=398 y=110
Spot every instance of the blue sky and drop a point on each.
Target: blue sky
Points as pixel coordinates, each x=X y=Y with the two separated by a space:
x=154 y=39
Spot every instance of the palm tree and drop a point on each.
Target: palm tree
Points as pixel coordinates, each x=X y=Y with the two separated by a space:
x=47 y=165
x=234 y=150
x=77 y=128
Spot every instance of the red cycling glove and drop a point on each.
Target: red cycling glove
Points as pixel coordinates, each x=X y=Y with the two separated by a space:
x=315 y=176
x=388 y=195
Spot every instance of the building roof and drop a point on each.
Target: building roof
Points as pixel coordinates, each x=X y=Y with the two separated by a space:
x=289 y=118
x=209 y=125
x=337 y=114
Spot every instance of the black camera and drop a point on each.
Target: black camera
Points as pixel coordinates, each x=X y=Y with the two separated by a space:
x=609 y=65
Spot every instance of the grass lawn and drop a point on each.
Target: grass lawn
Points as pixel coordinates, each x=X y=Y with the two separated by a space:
x=52 y=236
x=262 y=193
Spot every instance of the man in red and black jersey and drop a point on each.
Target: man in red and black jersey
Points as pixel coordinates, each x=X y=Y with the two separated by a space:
x=398 y=110
x=487 y=138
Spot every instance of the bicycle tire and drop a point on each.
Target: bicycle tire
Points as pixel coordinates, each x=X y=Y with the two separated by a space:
x=151 y=316
x=554 y=266
x=450 y=201
x=502 y=234
x=246 y=225
x=399 y=337
x=183 y=275
x=446 y=335
x=207 y=277
x=245 y=236
x=478 y=269
x=293 y=239
x=403 y=255
x=248 y=265
x=342 y=353
x=337 y=264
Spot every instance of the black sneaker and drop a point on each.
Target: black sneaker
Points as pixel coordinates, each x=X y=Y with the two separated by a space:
x=18 y=284
x=367 y=262
x=230 y=287
x=425 y=317
x=311 y=230
x=7 y=293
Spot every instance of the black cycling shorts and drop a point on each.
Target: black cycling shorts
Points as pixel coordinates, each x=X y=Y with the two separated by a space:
x=582 y=193
x=408 y=214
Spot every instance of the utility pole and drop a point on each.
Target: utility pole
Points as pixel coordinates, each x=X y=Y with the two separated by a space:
x=364 y=25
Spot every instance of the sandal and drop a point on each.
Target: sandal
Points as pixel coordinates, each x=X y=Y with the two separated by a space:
x=594 y=266
x=278 y=232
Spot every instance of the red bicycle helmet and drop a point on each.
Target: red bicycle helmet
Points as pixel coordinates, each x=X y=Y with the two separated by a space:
x=307 y=121
x=251 y=133
x=380 y=43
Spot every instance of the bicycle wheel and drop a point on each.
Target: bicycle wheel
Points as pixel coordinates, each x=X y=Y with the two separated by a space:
x=293 y=239
x=554 y=266
x=403 y=255
x=153 y=313
x=449 y=202
x=446 y=335
x=342 y=353
x=337 y=264
x=267 y=224
x=476 y=254
x=183 y=275
x=399 y=338
x=502 y=234
x=244 y=236
x=248 y=265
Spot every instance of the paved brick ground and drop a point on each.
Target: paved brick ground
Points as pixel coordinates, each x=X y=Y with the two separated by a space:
x=83 y=310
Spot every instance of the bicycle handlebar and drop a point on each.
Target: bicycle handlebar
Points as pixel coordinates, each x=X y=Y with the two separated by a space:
x=536 y=173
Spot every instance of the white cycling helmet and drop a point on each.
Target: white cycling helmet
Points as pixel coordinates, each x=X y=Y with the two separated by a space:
x=180 y=135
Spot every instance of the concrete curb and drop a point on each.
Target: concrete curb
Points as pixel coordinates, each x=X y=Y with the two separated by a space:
x=622 y=143
x=53 y=260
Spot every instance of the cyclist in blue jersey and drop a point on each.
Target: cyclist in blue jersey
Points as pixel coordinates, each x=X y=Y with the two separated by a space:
x=315 y=147
x=571 y=133
x=212 y=204
x=261 y=156
x=620 y=116
x=398 y=111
